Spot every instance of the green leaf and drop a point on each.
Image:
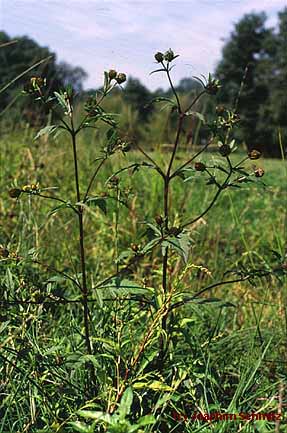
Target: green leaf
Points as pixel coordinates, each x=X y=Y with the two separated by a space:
x=149 y=246
x=100 y=202
x=60 y=207
x=125 y=403
x=155 y=385
x=61 y=100
x=47 y=130
x=157 y=70
x=80 y=427
x=162 y=99
x=122 y=286
x=200 y=116
x=146 y=420
x=180 y=244
x=95 y=415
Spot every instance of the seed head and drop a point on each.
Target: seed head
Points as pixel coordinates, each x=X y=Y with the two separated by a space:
x=225 y=150
x=112 y=74
x=14 y=192
x=159 y=57
x=135 y=247
x=159 y=220
x=174 y=231
x=125 y=147
x=199 y=166
x=34 y=84
x=212 y=85
x=113 y=182
x=37 y=82
x=220 y=109
x=33 y=187
x=121 y=78
x=254 y=154
x=259 y=172
x=169 y=55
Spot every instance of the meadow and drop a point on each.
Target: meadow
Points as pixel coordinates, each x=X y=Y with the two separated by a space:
x=143 y=282
x=228 y=350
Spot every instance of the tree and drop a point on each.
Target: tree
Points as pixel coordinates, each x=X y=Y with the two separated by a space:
x=16 y=58
x=139 y=97
x=249 y=55
x=279 y=82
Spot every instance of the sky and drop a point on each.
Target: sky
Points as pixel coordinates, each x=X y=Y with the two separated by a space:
x=124 y=35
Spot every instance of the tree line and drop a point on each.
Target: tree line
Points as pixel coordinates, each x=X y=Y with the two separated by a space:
x=252 y=70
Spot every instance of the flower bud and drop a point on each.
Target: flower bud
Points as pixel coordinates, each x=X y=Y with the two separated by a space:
x=212 y=86
x=169 y=55
x=225 y=150
x=159 y=220
x=121 y=78
x=14 y=192
x=254 y=154
x=174 y=231
x=159 y=57
x=125 y=147
x=112 y=74
x=220 y=109
x=259 y=172
x=135 y=247
x=199 y=166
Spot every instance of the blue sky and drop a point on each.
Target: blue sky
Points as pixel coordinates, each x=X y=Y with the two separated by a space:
x=103 y=34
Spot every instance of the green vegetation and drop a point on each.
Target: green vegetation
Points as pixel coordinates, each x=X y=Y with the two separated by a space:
x=218 y=350
x=142 y=264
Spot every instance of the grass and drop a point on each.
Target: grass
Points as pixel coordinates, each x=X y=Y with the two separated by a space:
x=229 y=352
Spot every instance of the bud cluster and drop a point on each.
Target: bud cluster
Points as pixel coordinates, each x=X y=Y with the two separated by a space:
x=199 y=166
x=225 y=150
x=14 y=192
x=168 y=56
x=227 y=119
x=31 y=188
x=212 y=86
x=259 y=172
x=34 y=85
x=120 y=77
x=113 y=182
x=254 y=154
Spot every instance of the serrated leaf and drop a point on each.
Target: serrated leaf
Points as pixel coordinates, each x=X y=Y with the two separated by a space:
x=61 y=100
x=154 y=228
x=149 y=246
x=180 y=244
x=125 y=403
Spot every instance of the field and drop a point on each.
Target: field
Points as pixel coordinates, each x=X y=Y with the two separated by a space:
x=227 y=347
